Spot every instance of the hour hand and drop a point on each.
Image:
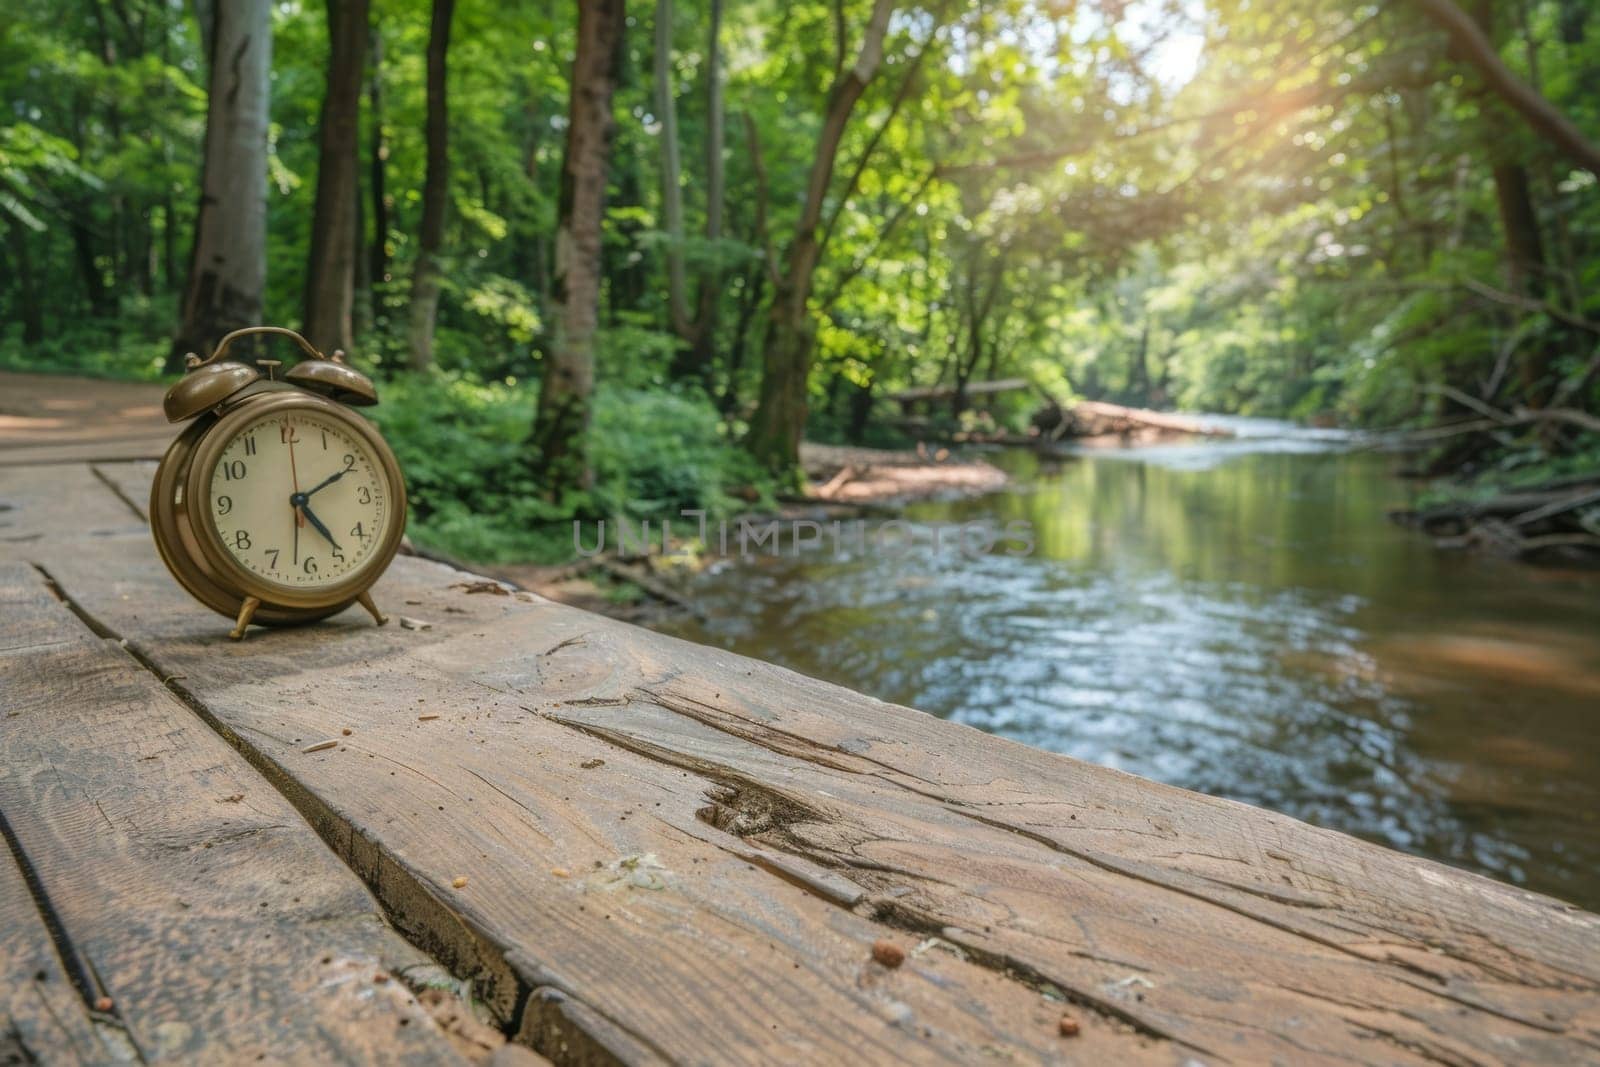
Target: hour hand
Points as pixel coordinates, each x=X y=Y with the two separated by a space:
x=329 y=480
x=311 y=517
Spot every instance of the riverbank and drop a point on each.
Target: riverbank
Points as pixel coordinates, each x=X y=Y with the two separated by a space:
x=845 y=482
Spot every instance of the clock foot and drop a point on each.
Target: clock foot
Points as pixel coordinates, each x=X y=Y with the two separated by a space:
x=365 y=600
x=247 y=611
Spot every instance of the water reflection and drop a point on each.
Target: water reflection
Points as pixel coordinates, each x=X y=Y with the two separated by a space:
x=1238 y=619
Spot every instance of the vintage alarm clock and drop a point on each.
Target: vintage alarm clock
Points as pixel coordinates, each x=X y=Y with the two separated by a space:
x=278 y=504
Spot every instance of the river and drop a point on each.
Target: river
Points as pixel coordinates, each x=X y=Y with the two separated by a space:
x=1236 y=617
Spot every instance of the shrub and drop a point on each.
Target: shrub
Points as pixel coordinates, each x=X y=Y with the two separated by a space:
x=475 y=486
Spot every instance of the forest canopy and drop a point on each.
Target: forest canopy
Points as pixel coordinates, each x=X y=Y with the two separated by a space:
x=611 y=255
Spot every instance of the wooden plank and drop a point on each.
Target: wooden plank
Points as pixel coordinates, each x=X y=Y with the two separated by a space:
x=42 y=1017
x=1180 y=925
x=187 y=891
x=631 y=927
x=65 y=504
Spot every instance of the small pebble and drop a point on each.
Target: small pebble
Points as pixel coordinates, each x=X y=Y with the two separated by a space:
x=381 y=977
x=888 y=953
x=103 y=1004
x=1069 y=1026
x=459 y=883
x=347 y=731
x=560 y=872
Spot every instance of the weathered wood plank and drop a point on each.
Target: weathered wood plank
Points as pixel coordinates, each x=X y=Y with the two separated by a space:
x=1208 y=927
x=213 y=922
x=630 y=925
x=64 y=505
x=42 y=1017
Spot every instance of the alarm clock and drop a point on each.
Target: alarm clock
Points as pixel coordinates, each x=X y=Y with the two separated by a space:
x=278 y=504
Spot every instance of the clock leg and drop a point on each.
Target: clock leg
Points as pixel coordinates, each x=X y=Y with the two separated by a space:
x=247 y=611
x=365 y=600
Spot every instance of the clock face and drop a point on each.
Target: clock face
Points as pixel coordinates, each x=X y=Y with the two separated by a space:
x=298 y=499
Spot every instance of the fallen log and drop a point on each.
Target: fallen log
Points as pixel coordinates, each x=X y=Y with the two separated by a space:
x=1096 y=418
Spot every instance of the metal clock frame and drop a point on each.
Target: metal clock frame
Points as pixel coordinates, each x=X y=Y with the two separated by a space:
x=187 y=538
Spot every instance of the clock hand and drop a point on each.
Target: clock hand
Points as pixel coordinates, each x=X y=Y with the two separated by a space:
x=329 y=480
x=311 y=515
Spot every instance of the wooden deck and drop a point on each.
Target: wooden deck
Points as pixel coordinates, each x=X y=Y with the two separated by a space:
x=628 y=847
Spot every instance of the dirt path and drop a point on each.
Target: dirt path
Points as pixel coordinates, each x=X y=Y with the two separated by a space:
x=48 y=418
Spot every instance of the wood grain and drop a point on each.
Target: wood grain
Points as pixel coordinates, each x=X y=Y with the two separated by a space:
x=672 y=852
x=197 y=909
x=41 y=1014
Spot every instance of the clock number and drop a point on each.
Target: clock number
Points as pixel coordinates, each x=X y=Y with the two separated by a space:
x=287 y=435
x=324 y=440
x=359 y=530
x=338 y=556
x=241 y=539
x=233 y=470
x=363 y=495
x=310 y=566
x=250 y=445
x=272 y=564
x=224 y=504
x=349 y=462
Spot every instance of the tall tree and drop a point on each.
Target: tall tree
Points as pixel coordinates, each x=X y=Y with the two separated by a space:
x=435 y=193
x=671 y=175
x=696 y=360
x=228 y=268
x=330 y=274
x=560 y=435
x=696 y=333
x=780 y=416
x=378 y=164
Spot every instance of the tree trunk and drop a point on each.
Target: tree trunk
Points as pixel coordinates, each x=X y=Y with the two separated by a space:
x=755 y=284
x=702 y=355
x=28 y=305
x=169 y=244
x=1524 y=252
x=435 y=194
x=361 y=267
x=780 y=416
x=94 y=280
x=378 y=166
x=1519 y=222
x=228 y=267
x=330 y=274
x=560 y=438
x=671 y=177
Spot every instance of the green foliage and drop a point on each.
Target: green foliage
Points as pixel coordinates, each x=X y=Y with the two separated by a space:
x=1305 y=217
x=474 y=494
x=130 y=349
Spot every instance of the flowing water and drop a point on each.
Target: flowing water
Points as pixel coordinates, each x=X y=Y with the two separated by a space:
x=1236 y=617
